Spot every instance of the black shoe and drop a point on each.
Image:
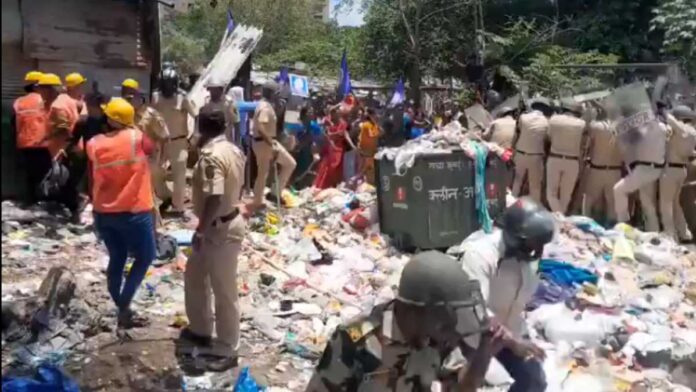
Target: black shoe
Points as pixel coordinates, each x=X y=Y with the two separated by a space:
x=166 y=203
x=198 y=340
x=221 y=364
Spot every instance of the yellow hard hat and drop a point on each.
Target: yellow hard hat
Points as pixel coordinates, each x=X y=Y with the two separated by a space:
x=74 y=79
x=33 y=77
x=120 y=110
x=49 y=79
x=131 y=83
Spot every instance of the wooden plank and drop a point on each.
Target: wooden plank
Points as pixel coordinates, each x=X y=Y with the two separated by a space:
x=105 y=32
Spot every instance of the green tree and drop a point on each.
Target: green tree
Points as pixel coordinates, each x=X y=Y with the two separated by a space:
x=677 y=20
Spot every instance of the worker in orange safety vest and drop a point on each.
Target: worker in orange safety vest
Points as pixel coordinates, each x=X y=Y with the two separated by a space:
x=122 y=200
x=29 y=122
x=74 y=87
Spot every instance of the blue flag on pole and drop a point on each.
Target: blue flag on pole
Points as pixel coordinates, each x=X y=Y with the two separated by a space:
x=283 y=76
x=344 y=87
x=399 y=94
x=230 y=21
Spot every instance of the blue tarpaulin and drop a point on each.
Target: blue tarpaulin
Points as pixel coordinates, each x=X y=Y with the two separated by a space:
x=48 y=379
x=565 y=274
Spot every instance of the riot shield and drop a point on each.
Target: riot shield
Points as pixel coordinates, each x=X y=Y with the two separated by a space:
x=630 y=107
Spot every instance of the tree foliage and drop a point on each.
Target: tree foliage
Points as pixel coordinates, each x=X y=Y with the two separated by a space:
x=677 y=20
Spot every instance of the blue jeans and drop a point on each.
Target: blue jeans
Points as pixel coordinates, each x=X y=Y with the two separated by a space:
x=528 y=374
x=123 y=233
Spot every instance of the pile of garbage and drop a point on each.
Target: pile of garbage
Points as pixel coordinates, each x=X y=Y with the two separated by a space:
x=616 y=308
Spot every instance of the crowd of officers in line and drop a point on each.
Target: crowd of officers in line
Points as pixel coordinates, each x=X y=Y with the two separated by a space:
x=575 y=152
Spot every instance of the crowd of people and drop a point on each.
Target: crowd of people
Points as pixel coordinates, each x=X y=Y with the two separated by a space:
x=123 y=147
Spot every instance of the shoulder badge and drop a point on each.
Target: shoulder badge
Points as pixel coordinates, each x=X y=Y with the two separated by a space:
x=209 y=172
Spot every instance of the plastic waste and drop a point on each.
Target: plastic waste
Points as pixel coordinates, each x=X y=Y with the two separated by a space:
x=246 y=383
x=47 y=378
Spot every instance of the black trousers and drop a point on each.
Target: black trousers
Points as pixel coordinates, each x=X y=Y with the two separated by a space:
x=69 y=195
x=36 y=163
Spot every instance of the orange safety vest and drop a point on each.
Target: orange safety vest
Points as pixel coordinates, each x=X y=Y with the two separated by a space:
x=120 y=172
x=30 y=116
x=64 y=105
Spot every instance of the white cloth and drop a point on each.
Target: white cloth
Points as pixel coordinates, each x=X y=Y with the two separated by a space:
x=506 y=283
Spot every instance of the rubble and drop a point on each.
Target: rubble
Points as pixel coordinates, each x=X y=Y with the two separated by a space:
x=616 y=307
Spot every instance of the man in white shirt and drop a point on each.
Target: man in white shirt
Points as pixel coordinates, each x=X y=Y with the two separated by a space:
x=505 y=262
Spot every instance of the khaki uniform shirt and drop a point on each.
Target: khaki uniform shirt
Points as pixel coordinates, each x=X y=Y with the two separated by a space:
x=371 y=354
x=501 y=131
x=220 y=171
x=604 y=148
x=265 y=120
x=682 y=143
x=566 y=134
x=151 y=123
x=534 y=128
x=175 y=111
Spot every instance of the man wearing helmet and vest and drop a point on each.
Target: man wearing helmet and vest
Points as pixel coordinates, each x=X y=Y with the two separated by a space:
x=266 y=147
x=175 y=109
x=122 y=199
x=402 y=345
x=29 y=122
x=505 y=263
x=567 y=137
x=129 y=87
x=680 y=149
x=74 y=87
x=529 y=148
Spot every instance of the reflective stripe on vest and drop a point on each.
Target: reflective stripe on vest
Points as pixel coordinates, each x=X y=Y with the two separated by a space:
x=121 y=174
x=30 y=117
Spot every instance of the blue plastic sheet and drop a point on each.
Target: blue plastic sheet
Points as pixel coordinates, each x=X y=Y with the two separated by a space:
x=246 y=383
x=48 y=379
x=565 y=274
x=549 y=292
x=183 y=237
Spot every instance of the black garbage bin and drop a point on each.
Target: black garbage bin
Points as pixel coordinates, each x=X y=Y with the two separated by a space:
x=432 y=205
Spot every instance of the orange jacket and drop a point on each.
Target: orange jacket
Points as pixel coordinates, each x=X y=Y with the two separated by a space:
x=120 y=172
x=30 y=117
x=63 y=114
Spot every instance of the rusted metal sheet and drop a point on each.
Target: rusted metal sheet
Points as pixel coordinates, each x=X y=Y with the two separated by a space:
x=104 y=32
x=109 y=79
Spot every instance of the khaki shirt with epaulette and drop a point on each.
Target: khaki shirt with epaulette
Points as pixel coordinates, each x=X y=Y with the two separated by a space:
x=220 y=171
x=682 y=142
x=265 y=120
x=604 y=146
x=371 y=354
x=566 y=135
x=501 y=131
x=534 y=128
x=175 y=111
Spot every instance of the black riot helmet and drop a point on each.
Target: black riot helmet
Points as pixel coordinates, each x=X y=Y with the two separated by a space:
x=269 y=91
x=434 y=280
x=527 y=228
x=169 y=80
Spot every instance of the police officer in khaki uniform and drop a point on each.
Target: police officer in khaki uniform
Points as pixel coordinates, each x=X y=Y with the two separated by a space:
x=604 y=169
x=219 y=101
x=151 y=123
x=566 y=134
x=217 y=183
x=529 y=148
x=403 y=344
x=645 y=155
x=266 y=147
x=679 y=151
x=175 y=108
x=502 y=129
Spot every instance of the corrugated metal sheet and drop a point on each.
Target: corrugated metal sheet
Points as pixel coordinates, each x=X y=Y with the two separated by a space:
x=109 y=79
x=11 y=22
x=105 y=32
x=14 y=66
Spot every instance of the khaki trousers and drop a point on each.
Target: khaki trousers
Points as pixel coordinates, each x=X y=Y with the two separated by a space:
x=643 y=179
x=532 y=167
x=670 y=204
x=264 y=160
x=176 y=152
x=214 y=266
x=598 y=187
x=561 y=175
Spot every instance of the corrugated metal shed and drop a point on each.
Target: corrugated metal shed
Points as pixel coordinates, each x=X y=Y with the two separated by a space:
x=104 y=32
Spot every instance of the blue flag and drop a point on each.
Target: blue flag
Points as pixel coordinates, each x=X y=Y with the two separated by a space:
x=344 y=87
x=230 y=21
x=283 y=76
x=399 y=94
